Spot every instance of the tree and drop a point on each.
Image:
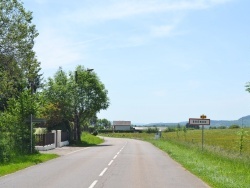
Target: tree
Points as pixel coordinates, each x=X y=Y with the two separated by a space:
x=76 y=98
x=19 y=69
x=57 y=99
x=103 y=123
x=90 y=96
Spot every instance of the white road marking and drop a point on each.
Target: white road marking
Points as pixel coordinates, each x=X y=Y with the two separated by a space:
x=105 y=169
x=93 y=184
x=76 y=151
x=110 y=162
x=115 y=156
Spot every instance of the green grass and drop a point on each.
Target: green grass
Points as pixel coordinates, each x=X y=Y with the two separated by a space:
x=22 y=162
x=88 y=140
x=218 y=171
x=220 y=164
x=221 y=140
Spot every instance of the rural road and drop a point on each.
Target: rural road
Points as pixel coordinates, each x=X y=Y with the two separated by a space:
x=117 y=163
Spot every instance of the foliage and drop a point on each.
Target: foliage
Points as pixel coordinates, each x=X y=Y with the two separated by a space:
x=169 y=129
x=15 y=129
x=242 y=139
x=103 y=124
x=73 y=99
x=95 y=133
x=192 y=126
x=19 y=69
x=152 y=130
x=57 y=106
x=234 y=127
x=40 y=131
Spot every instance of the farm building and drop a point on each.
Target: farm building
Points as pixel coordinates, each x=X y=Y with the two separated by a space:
x=121 y=125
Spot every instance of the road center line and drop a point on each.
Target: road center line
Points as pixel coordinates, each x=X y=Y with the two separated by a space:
x=115 y=156
x=93 y=184
x=105 y=169
x=110 y=162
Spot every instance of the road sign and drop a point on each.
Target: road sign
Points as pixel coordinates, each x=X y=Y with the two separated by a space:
x=198 y=121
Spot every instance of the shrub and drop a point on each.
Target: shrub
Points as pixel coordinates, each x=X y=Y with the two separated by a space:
x=234 y=127
x=222 y=127
x=95 y=133
x=152 y=130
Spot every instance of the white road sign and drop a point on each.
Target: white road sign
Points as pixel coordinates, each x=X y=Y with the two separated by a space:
x=198 y=121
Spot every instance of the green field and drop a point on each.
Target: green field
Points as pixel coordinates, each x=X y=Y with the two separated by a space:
x=216 y=140
x=221 y=164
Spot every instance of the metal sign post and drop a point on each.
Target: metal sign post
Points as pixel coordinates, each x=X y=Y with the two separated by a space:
x=31 y=133
x=31 y=121
x=200 y=121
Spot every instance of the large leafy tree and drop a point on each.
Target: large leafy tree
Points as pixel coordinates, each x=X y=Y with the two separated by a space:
x=90 y=97
x=74 y=98
x=57 y=100
x=19 y=69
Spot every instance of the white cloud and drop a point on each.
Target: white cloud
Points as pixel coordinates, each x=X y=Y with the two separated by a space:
x=115 y=10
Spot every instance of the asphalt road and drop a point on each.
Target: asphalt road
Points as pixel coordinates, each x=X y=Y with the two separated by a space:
x=117 y=163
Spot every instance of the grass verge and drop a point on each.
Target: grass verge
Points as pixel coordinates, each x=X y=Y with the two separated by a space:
x=218 y=171
x=88 y=140
x=22 y=162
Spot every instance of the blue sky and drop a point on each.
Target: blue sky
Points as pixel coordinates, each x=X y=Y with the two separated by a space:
x=160 y=60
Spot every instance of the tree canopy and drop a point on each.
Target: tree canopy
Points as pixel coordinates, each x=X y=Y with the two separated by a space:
x=19 y=68
x=67 y=101
x=74 y=98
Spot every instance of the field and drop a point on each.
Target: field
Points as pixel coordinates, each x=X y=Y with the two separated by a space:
x=224 y=161
x=228 y=141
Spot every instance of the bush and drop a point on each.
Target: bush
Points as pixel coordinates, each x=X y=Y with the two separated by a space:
x=169 y=129
x=234 y=127
x=152 y=130
x=222 y=127
x=95 y=133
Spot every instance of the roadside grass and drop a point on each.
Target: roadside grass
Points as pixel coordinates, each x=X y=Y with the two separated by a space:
x=88 y=139
x=22 y=162
x=220 y=164
x=25 y=161
x=218 y=171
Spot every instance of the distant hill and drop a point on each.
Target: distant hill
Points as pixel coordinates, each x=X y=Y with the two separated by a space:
x=243 y=121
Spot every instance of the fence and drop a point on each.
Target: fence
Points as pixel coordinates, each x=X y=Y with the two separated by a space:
x=44 y=139
x=64 y=136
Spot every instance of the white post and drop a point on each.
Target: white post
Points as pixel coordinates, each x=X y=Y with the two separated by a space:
x=59 y=135
x=55 y=141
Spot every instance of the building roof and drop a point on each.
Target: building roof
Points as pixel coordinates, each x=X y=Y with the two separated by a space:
x=124 y=123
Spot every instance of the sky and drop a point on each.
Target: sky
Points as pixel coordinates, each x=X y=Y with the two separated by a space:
x=160 y=60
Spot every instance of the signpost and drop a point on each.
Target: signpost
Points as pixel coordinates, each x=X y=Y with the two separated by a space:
x=33 y=120
x=200 y=121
